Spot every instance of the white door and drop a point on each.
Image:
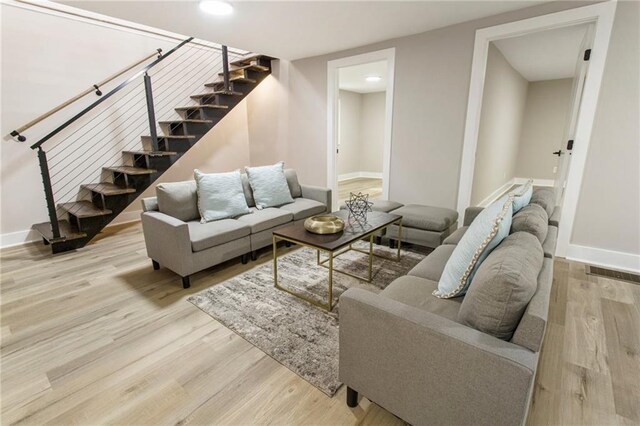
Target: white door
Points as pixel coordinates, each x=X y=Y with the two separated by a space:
x=567 y=144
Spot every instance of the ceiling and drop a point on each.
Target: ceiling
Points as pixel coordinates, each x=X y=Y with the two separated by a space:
x=298 y=29
x=353 y=78
x=545 y=55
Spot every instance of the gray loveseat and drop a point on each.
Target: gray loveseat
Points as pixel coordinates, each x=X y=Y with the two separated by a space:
x=410 y=353
x=188 y=246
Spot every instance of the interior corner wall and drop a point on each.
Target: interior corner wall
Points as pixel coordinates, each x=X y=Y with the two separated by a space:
x=348 y=158
x=503 y=105
x=546 y=115
x=608 y=211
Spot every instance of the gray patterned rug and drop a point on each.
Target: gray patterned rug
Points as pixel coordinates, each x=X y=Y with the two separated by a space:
x=298 y=335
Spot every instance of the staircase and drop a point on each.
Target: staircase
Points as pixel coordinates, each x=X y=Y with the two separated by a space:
x=140 y=168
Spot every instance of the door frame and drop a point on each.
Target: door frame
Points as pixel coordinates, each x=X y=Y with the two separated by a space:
x=333 y=93
x=602 y=14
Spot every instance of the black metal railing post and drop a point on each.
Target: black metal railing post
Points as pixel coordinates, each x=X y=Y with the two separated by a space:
x=151 y=112
x=48 y=193
x=225 y=69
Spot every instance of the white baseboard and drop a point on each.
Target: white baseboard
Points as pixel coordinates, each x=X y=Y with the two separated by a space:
x=358 y=175
x=496 y=194
x=536 y=182
x=17 y=238
x=606 y=258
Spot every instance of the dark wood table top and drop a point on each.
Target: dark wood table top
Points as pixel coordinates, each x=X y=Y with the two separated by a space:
x=331 y=242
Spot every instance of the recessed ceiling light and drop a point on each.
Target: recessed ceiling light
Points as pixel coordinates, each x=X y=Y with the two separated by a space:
x=216 y=7
x=373 y=78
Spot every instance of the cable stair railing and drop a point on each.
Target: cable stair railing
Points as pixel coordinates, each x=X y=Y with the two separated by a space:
x=101 y=159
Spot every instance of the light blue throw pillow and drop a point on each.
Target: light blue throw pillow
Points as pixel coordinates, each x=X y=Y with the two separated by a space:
x=220 y=195
x=486 y=231
x=269 y=185
x=522 y=196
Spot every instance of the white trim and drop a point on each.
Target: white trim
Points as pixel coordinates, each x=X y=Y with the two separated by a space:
x=332 y=112
x=497 y=193
x=359 y=175
x=12 y=239
x=605 y=258
x=603 y=15
x=536 y=182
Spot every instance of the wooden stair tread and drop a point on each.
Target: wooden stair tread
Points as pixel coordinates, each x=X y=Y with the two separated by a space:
x=188 y=120
x=83 y=209
x=171 y=137
x=232 y=80
x=206 y=106
x=130 y=170
x=67 y=231
x=249 y=59
x=152 y=153
x=217 y=92
x=107 y=188
x=250 y=67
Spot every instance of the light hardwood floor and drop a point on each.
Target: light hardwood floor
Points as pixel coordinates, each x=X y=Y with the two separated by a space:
x=97 y=336
x=370 y=186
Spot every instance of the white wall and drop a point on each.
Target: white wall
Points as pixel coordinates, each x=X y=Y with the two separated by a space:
x=503 y=105
x=543 y=128
x=372 y=132
x=350 y=116
x=362 y=119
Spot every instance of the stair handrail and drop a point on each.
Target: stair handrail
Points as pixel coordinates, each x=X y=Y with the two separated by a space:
x=94 y=88
x=125 y=83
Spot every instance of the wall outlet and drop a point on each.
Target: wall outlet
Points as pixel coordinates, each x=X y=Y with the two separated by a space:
x=555 y=169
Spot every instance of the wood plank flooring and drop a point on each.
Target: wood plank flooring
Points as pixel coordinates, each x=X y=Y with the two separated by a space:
x=98 y=337
x=370 y=186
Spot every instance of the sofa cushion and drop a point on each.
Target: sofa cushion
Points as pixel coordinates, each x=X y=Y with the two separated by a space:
x=303 y=208
x=532 y=219
x=211 y=234
x=428 y=218
x=486 y=231
x=178 y=199
x=545 y=197
x=269 y=185
x=416 y=292
x=549 y=243
x=220 y=195
x=261 y=220
x=522 y=195
x=431 y=267
x=503 y=286
x=385 y=206
x=292 y=182
x=455 y=236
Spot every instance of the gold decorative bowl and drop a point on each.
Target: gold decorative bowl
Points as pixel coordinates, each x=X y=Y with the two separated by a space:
x=324 y=224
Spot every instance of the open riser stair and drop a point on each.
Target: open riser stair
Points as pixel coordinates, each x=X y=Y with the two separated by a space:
x=122 y=184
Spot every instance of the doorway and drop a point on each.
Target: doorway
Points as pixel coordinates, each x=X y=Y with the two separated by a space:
x=531 y=97
x=360 y=105
x=601 y=15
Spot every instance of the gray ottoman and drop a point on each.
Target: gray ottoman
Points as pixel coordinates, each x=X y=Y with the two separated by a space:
x=385 y=206
x=423 y=225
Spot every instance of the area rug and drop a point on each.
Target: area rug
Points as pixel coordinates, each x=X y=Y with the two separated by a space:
x=300 y=336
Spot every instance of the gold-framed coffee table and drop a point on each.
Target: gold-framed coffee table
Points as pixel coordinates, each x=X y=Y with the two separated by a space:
x=334 y=245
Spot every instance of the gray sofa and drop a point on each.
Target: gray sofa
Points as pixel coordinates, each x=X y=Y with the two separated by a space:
x=410 y=352
x=186 y=247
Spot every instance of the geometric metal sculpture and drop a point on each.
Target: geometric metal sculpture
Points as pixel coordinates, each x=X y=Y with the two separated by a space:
x=358 y=206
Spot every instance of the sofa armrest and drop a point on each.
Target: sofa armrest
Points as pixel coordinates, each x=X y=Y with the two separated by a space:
x=322 y=195
x=167 y=240
x=470 y=213
x=427 y=369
